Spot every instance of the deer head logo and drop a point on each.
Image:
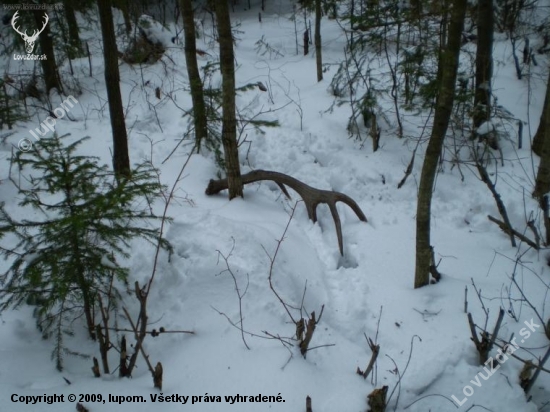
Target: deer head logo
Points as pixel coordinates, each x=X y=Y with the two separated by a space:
x=29 y=40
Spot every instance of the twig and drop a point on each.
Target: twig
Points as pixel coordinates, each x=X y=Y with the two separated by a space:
x=255 y=335
x=403 y=374
x=272 y=262
x=375 y=351
x=509 y=230
x=139 y=335
x=154 y=332
x=466 y=299
x=239 y=294
x=164 y=219
x=521 y=359
x=487 y=340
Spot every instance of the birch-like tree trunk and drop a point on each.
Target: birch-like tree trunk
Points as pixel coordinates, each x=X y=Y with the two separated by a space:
x=448 y=62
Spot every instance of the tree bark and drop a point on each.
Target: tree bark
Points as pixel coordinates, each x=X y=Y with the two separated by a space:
x=229 y=121
x=49 y=65
x=195 y=82
x=318 y=55
x=121 y=158
x=538 y=140
x=74 y=33
x=449 y=65
x=542 y=182
x=484 y=62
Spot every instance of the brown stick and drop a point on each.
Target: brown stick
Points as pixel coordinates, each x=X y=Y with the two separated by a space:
x=510 y=231
x=157 y=376
x=308 y=404
x=487 y=340
x=95 y=368
x=500 y=204
x=375 y=351
x=103 y=348
x=142 y=333
x=123 y=365
x=310 y=328
x=104 y=340
x=312 y=197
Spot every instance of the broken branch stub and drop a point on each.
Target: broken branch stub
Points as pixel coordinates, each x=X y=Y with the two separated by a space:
x=311 y=196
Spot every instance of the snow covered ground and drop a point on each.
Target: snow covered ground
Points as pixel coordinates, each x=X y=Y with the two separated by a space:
x=423 y=334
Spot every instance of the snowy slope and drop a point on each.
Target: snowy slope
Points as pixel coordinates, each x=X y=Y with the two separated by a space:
x=368 y=292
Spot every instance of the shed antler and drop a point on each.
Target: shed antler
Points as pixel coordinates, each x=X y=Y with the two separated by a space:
x=312 y=197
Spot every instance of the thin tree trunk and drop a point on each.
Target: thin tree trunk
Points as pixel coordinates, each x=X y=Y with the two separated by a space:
x=229 y=121
x=195 y=82
x=443 y=108
x=121 y=158
x=542 y=182
x=416 y=9
x=49 y=65
x=124 y=7
x=74 y=35
x=318 y=55
x=484 y=62
x=538 y=140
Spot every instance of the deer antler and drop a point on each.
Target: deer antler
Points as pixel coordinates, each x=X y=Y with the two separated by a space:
x=13 y=19
x=37 y=32
x=312 y=197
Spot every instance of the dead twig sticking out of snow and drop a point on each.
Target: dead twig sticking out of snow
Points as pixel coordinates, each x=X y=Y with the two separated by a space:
x=487 y=341
x=240 y=294
x=307 y=335
x=401 y=375
x=375 y=351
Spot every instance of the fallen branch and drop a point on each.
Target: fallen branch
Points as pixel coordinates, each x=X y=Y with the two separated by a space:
x=500 y=204
x=510 y=231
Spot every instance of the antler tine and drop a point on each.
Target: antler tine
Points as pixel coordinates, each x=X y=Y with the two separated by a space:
x=37 y=32
x=47 y=19
x=13 y=19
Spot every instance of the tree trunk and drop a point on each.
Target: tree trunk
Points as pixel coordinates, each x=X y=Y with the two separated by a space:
x=318 y=55
x=416 y=9
x=538 y=140
x=49 y=65
x=229 y=122
x=449 y=63
x=75 y=44
x=124 y=7
x=195 y=82
x=484 y=62
x=121 y=158
x=542 y=182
